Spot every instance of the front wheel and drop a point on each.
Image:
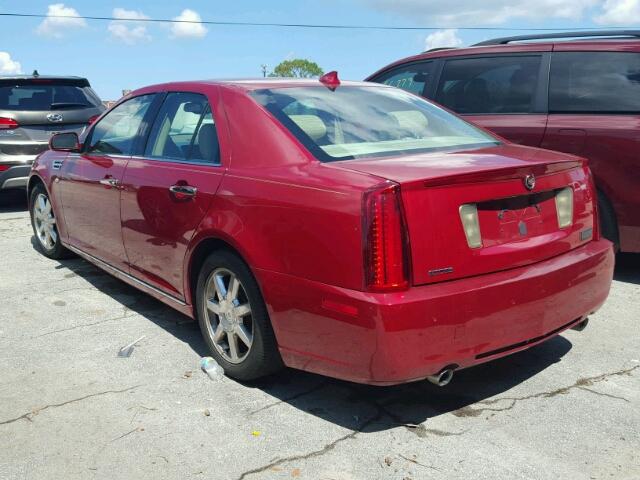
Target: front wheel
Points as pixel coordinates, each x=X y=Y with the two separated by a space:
x=45 y=228
x=234 y=319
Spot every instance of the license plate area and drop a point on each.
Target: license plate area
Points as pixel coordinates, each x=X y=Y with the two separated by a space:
x=517 y=218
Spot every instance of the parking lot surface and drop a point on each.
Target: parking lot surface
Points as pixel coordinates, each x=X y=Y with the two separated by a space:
x=70 y=408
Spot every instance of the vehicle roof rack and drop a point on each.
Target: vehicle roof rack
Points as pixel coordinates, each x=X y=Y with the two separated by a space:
x=549 y=36
x=437 y=49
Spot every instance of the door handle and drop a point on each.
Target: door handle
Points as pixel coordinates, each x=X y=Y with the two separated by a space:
x=110 y=182
x=183 y=192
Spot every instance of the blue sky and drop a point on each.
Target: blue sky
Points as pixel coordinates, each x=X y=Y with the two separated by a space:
x=126 y=55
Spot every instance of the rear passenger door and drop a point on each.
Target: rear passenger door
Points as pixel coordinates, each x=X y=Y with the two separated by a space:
x=501 y=93
x=594 y=111
x=168 y=187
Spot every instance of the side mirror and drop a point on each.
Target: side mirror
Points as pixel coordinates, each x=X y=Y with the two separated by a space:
x=65 y=142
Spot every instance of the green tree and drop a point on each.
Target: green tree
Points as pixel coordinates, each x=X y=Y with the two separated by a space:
x=298 y=67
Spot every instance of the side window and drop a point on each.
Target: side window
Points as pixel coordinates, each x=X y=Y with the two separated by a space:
x=116 y=132
x=412 y=78
x=489 y=85
x=606 y=82
x=184 y=129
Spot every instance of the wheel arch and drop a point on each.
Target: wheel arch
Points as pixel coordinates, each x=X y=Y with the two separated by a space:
x=610 y=211
x=200 y=250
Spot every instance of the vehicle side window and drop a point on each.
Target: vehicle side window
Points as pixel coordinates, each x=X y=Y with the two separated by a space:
x=592 y=82
x=489 y=85
x=185 y=130
x=116 y=132
x=412 y=78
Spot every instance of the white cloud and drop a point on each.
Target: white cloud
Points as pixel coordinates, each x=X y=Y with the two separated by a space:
x=442 y=38
x=192 y=29
x=487 y=12
x=619 y=12
x=8 y=66
x=128 y=32
x=59 y=21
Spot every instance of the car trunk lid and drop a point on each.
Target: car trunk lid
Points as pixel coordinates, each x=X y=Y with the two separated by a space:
x=517 y=226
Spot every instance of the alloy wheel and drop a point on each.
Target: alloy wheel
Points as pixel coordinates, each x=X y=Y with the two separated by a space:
x=228 y=315
x=45 y=222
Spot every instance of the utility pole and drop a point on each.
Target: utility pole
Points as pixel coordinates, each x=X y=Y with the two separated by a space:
x=264 y=70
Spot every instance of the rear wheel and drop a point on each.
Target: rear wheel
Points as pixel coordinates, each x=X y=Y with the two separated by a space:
x=45 y=228
x=608 y=223
x=233 y=318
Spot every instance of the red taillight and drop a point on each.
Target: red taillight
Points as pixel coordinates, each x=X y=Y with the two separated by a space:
x=7 y=123
x=92 y=119
x=385 y=240
x=4 y=167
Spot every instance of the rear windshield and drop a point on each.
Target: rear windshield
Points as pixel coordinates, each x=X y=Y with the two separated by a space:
x=32 y=97
x=356 y=122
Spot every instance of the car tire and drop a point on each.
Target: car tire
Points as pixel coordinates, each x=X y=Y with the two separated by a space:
x=225 y=324
x=43 y=222
x=608 y=223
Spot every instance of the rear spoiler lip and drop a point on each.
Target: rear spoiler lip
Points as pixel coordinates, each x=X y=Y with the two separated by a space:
x=502 y=174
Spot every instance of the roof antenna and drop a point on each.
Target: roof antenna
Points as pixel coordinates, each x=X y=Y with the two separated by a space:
x=330 y=80
x=35 y=73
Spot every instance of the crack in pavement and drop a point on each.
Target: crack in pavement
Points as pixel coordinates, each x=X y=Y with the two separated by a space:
x=315 y=453
x=581 y=383
x=411 y=460
x=292 y=397
x=36 y=411
x=121 y=317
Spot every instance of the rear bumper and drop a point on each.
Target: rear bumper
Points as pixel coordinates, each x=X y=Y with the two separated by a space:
x=16 y=176
x=400 y=337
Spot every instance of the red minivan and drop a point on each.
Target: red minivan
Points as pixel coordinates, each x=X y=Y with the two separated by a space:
x=579 y=95
x=349 y=229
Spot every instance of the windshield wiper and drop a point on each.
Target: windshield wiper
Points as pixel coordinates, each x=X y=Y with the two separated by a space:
x=58 y=105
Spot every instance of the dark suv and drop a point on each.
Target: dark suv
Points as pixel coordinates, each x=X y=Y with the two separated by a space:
x=32 y=109
x=573 y=92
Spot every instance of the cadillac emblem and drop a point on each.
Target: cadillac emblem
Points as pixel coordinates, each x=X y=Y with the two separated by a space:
x=529 y=182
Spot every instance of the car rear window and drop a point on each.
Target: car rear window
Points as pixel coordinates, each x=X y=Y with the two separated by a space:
x=355 y=122
x=595 y=82
x=45 y=96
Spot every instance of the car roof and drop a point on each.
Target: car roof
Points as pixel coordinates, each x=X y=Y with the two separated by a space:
x=42 y=77
x=619 y=40
x=248 y=84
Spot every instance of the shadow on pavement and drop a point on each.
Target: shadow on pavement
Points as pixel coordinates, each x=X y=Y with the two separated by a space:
x=179 y=325
x=353 y=406
x=13 y=201
x=627 y=268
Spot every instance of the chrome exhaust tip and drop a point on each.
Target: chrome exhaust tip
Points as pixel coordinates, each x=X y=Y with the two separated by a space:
x=580 y=326
x=443 y=378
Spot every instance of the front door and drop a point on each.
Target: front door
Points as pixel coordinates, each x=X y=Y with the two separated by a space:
x=91 y=183
x=168 y=189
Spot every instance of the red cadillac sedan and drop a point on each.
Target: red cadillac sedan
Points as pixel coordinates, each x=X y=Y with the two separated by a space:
x=349 y=229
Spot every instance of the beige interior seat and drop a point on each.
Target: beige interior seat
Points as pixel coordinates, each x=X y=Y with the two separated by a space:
x=412 y=120
x=312 y=125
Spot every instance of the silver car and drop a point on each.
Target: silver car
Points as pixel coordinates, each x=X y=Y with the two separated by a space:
x=32 y=109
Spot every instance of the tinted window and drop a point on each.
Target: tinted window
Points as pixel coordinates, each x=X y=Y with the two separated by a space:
x=117 y=130
x=355 y=122
x=46 y=97
x=594 y=82
x=184 y=130
x=412 y=78
x=489 y=85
